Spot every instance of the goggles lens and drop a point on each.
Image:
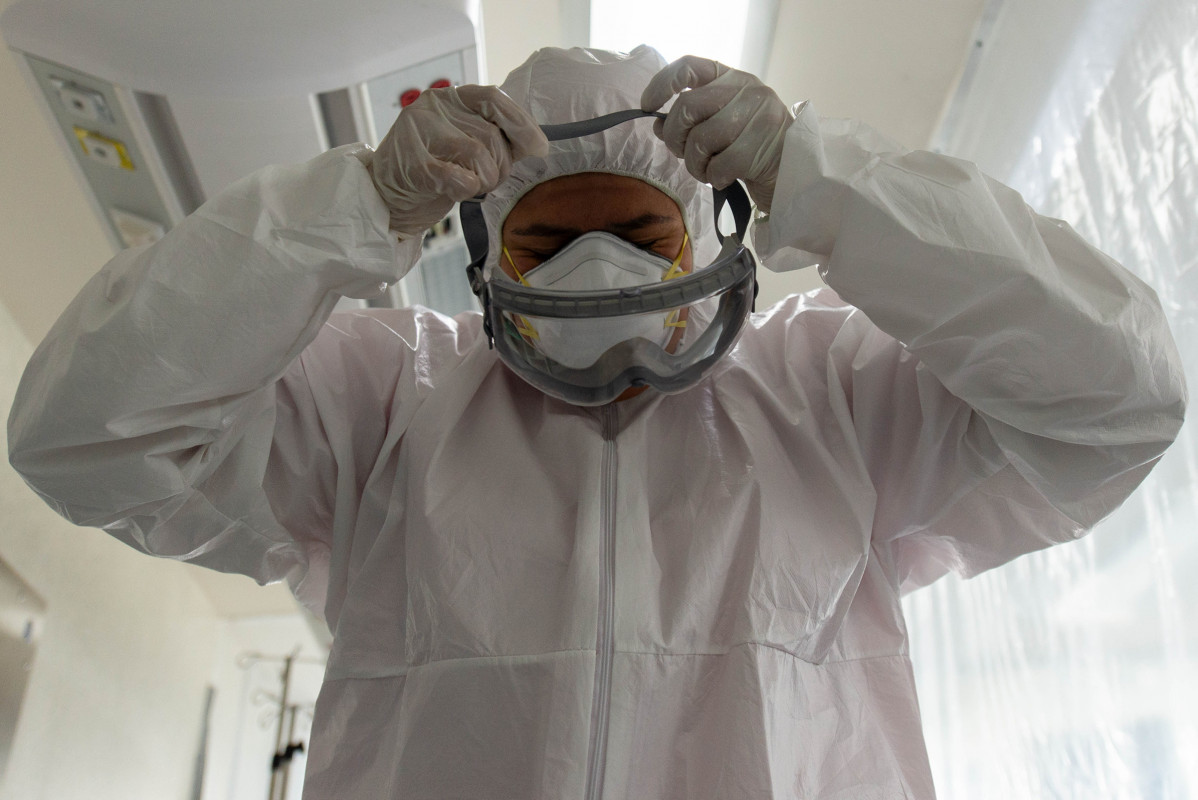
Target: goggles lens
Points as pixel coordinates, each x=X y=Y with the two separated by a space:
x=592 y=359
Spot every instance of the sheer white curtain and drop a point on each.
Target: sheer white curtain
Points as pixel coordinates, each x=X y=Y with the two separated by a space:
x=1073 y=673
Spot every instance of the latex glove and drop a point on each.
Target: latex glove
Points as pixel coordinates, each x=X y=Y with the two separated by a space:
x=450 y=145
x=728 y=126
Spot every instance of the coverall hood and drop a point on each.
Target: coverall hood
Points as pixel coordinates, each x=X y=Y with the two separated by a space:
x=557 y=86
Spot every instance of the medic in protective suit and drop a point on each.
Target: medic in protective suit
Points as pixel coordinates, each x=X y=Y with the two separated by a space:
x=689 y=595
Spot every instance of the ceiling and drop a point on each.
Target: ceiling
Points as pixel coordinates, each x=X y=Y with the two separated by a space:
x=892 y=65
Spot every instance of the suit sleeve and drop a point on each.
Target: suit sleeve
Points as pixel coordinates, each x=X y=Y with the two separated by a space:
x=1019 y=383
x=159 y=399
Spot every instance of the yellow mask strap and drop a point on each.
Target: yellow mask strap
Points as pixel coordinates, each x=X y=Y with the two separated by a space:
x=525 y=328
x=516 y=269
x=672 y=320
x=675 y=269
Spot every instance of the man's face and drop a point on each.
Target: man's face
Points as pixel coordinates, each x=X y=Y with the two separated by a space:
x=558 y=211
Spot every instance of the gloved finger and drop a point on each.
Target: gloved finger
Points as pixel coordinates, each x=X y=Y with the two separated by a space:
x=484 y=152
x=753 y=156
x=687 y=72
x=520 y=130
x=699 y=151
x=467 y=167
x=500 y=151
x=722 y=142
x=659 y=128
x=694 y=107
x=451 y=180
x=420 y=216
x=726 y=167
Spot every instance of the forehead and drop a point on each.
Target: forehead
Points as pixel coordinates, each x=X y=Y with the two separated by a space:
x=590 y=201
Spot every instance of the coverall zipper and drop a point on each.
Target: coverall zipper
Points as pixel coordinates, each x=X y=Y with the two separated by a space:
x=605 y=645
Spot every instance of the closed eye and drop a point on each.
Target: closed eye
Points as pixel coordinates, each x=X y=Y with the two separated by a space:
x=533 y=255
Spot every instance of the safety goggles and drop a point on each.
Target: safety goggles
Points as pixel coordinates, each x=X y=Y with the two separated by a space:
x=702 y=312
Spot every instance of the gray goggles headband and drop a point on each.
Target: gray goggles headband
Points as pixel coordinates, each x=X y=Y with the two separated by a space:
x=585 y=127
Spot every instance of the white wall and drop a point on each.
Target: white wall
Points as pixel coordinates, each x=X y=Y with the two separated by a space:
x=115 y=698
x=46 y=224
x=1082 y=685
x=510 y=38
x=890 y=65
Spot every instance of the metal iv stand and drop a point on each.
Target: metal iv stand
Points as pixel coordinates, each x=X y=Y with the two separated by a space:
x=286 y=745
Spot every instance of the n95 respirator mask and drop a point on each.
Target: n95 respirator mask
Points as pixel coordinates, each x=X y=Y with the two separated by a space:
x=598 y=261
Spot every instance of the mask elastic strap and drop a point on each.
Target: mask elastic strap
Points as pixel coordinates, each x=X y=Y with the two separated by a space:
x=515 y=269
x=525 y=328
x=675 y=270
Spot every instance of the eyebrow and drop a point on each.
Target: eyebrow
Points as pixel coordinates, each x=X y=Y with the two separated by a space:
x=545 y=229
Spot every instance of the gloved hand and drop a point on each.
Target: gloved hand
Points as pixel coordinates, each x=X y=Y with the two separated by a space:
x=729 y=125
x=450 y=145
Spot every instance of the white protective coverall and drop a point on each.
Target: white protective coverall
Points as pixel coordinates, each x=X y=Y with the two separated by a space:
x=691 y=596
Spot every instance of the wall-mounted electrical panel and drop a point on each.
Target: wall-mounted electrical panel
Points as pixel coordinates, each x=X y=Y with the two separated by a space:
x=160 y=107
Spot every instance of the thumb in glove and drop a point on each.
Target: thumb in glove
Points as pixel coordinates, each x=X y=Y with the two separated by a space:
x=725 y=124
x=450 y=145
